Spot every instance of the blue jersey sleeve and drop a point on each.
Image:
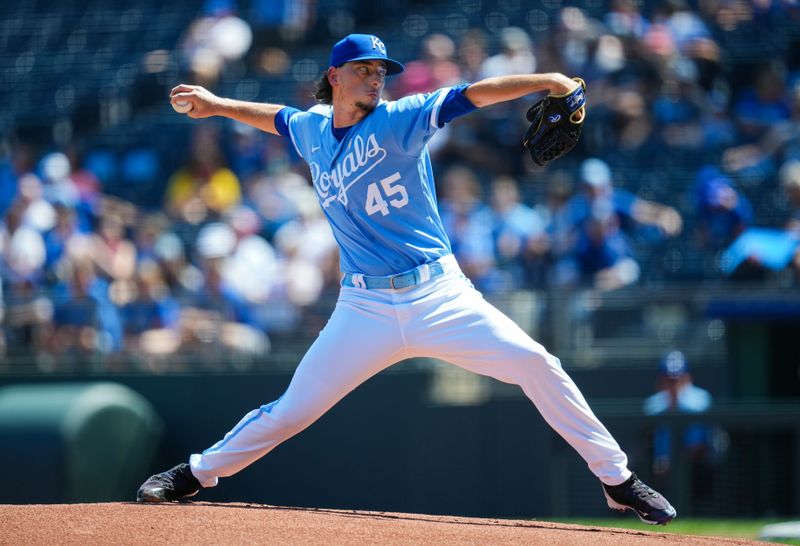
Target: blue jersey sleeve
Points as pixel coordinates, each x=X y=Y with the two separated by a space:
x=282 y=120
x=455 y=105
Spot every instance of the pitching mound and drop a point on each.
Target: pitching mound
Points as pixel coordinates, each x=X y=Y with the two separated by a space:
x=199 y=523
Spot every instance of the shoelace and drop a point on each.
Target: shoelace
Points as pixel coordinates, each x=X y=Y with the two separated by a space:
x=642 y=490
x=171 y=478
x=163 y=479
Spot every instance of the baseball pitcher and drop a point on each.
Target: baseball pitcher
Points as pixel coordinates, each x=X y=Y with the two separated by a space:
x=401 y=289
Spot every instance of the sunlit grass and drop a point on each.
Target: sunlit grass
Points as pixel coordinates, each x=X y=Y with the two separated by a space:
x=747 y=529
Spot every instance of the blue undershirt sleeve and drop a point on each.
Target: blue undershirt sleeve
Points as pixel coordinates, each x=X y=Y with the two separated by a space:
x=282 y=120
x=455 y=105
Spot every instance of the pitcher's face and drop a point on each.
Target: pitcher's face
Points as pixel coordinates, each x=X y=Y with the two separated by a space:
x=358 y=84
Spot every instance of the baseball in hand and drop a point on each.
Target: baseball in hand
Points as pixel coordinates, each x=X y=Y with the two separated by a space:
x=182 y=106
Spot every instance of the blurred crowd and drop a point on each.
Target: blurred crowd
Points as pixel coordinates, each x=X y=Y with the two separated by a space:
x=691 y=155
x=214 y=270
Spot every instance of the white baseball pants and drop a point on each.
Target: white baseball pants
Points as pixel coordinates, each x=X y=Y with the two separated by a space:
x=444 y=318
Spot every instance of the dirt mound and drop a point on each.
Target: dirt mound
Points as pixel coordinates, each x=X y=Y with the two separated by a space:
x=199 y=523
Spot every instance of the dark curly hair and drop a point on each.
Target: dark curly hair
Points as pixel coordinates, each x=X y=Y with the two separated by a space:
x=323 y=91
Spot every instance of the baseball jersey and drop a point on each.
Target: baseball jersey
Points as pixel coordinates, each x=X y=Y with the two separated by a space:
x=376 y=185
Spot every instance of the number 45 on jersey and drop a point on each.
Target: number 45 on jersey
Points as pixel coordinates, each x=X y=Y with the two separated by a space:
x=384 y=193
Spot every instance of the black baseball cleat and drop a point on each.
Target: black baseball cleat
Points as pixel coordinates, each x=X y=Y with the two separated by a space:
x=651 y=507
x=174 y=484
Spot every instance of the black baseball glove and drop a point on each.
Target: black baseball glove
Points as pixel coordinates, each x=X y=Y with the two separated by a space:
x=556 y=124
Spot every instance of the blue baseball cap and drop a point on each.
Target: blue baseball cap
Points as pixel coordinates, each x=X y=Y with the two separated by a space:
x=363 y=47
x=673 y=364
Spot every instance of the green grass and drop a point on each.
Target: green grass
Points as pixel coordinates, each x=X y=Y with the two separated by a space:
x=747 y=529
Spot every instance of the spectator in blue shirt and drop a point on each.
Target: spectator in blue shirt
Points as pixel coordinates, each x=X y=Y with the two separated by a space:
x=678 y=394
x=632 y=211
x=519 y=236
x=85 y=321
x=676 y=391
x=722 y=212
x=151 y=317
x=602 y=254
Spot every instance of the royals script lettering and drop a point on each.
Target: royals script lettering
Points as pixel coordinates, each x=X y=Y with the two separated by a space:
x=349 y=169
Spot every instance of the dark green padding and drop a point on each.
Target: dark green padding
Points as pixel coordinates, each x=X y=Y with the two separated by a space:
x=79 y=442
